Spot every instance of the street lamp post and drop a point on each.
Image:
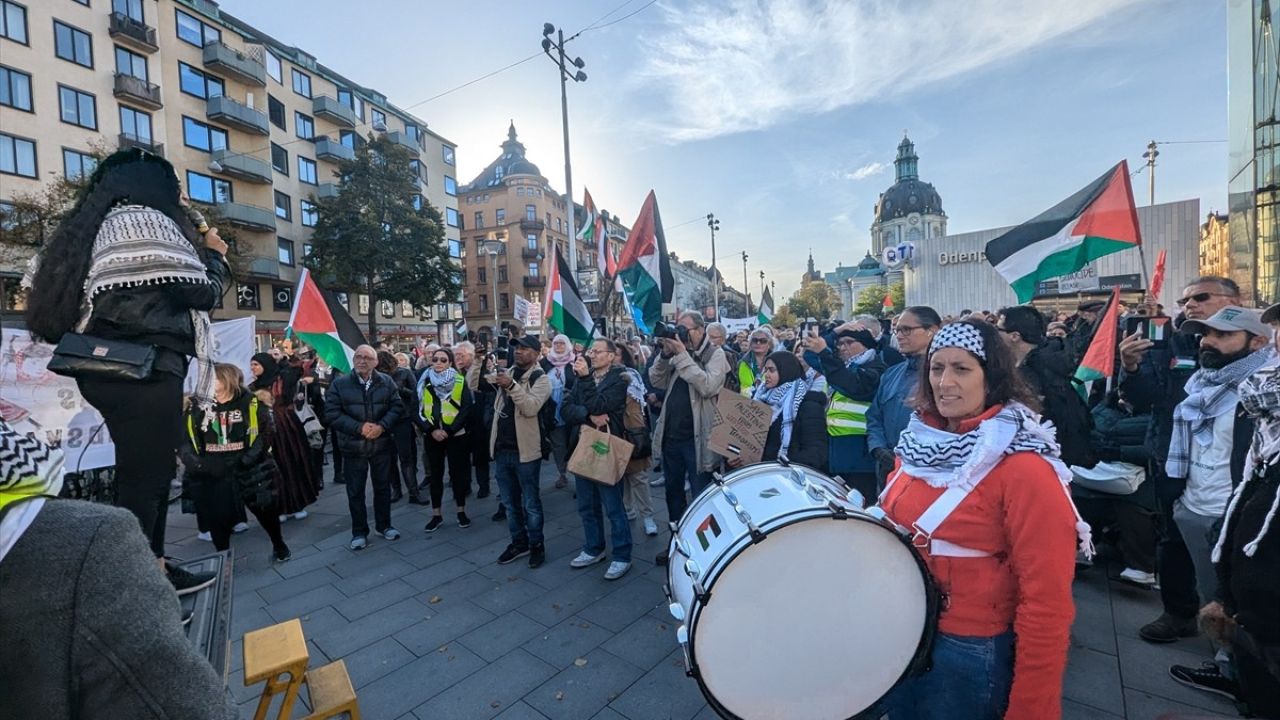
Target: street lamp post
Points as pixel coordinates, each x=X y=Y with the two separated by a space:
x=714 y=224
x=746 y=294
x=761 y=288
x=579 y=76
x=493 y=246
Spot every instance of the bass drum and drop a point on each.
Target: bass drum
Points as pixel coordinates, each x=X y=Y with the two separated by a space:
x=793 y=602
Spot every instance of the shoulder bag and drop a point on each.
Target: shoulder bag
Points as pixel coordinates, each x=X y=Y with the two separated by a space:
x=85 y=356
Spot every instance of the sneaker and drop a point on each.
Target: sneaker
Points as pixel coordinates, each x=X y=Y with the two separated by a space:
x=282 y=554
x=358 y=543
x=661 y=559
x=1138 y=577
x=390 y=534
x=463 y=520
x=501 y=514
x=434 y=524
x=586 y=559
x=537 y=556
x=417 y=500
x=300 y=515
x=240 y=527
x=285 y=518
x=616 y=570
x=1167 y=629
x=511 y=554
x=562 y=482
x=650 y=527
x=205 y=536
x=1208 y=678
x=185 y=582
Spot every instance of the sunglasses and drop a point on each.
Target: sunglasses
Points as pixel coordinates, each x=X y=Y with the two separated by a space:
x=759 y=341
x=1199 y=297
x=441 y=359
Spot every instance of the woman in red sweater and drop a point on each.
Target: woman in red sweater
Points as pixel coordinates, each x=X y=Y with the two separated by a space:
x=979 y=480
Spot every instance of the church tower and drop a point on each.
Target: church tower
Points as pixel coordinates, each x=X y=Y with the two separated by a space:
x=910 y=211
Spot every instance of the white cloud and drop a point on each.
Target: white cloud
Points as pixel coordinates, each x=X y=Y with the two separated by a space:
x=740 y=65
x=871 y=169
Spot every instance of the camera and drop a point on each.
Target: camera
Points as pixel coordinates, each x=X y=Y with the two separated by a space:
x=672 y=331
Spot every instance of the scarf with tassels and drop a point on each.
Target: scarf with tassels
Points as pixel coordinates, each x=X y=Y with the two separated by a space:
x=785 y=399
x=29 y=472
x=1260 y=397
x=635 y=385
x=1210 y=394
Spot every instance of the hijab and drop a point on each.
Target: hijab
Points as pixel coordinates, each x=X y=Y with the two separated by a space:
x=560 y=359
x=786 y=396
x=270 y=371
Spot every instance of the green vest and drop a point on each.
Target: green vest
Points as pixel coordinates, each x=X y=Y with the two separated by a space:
x=746 y=378
x=846 y=417
x=450 y=409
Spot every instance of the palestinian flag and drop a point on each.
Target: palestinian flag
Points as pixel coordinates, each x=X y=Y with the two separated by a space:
x=1096 y=221
x=1100 y=359
x=888 y=302
x=645 y=268
x=765 y=315
x=460 y=329
x=594 y=234
x=566 y=312
x=319 y=320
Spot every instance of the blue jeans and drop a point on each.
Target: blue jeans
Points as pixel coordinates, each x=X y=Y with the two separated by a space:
x=970 y=680
x=680 y=463
x=518 y=484
x=591 y=495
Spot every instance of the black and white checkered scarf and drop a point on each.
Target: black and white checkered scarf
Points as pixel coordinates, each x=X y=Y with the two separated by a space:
x=1210 y=395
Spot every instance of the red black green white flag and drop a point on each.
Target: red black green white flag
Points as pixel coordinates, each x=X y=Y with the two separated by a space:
x=1098 y=220
x=319 y=320
x=566 y=311
x=645 y=268
x=1100 y=359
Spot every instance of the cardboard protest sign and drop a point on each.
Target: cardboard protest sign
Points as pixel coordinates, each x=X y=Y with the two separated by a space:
x=740 y=428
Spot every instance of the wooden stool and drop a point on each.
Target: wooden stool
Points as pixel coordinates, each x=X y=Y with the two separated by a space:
x=331 y=692
x=278 y=655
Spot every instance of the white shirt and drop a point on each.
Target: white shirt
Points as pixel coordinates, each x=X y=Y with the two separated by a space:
x=1209 y=474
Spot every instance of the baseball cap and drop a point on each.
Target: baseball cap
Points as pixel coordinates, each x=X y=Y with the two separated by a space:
x=530 y=342
x=863 y=336
x=1091 y=305
x=1231 y=318
x=1271 y=314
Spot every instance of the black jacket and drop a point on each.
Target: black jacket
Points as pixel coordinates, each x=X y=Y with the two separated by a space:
x=1249 y=587
x=887 y=353
x=200 y=462
x=808 y=434
x=348 y=406
x=858 y=383
x=1049 y=369
x=1120 y=436
x=606 y=396
x=1157 y=388
x=160 y=315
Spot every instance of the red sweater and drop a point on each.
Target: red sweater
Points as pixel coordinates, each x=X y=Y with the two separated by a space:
x=1020 y=513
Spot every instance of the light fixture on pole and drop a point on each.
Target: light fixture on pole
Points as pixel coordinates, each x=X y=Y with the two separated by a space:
x=761 y=287
x=746 y=294
x=578 y=76
x=714 y=224
x=494 y=246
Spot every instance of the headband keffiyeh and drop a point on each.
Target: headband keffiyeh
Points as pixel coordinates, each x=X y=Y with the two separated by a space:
x=960 y=335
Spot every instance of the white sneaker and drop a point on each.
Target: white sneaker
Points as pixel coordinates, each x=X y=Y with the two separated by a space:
x=650 y=527
x=585 y=559
x=616 y=570
x=284 y=518
x=390 y=534
x=204 y=536
x=240 y=527
x=1138 y=577
x=300 y=515
x=358 y=543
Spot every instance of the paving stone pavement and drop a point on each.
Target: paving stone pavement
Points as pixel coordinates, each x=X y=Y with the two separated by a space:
x=431 y=628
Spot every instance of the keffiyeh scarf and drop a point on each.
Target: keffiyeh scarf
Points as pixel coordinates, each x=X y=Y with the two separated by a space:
x=1260 y=397
x=785 y=398
x=1210 y=394
x=442 y=382
x=29 y=471
x=635 y=385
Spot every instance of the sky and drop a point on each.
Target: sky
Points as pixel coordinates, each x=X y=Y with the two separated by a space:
x=783 y=116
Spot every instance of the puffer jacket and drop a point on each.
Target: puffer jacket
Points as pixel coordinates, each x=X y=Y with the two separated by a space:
x=348 y=406
x=808 y=434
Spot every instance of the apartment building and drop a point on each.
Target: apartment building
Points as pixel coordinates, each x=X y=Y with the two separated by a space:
x=253 y=126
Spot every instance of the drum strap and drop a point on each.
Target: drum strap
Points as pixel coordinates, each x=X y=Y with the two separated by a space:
x=933 y=517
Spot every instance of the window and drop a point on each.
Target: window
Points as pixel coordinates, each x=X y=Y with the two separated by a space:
x=307 y=170
x=208 y=190
x=15 y=89
x=281 y=296
x=500 y=216
x=274 y=68
x=479 y=219
x=347 y=138
x=455 y=249
x=13 y=21
x=72 y=45
x=194 y=82
x=531 y=240
x=451 y=217
x=275 y=111
x=284 y=207
x=558 y=225
x=301 y=82
x=17 y=156
x=284 y=251
x=378 y=116
x=417 y=201
x=280 y=159
x=196 y=134
x=406 y=310
x=363 y=304
x=247 y=296
x=304 y=126
x=310 y=213
x=530 y=213
x=450 y=186
x=448 y=155
x=196 y=32
x=388 y=308
x=504 y=301
x=306 y=250
x=484 y=299
x=346 y=97
x=498 y=172
x=131 y=9
x=481 y=275
x=12 y=296
x=130 y=63
x=136 y=124
x=78 y=108
x=502 y=274
x=77 y=165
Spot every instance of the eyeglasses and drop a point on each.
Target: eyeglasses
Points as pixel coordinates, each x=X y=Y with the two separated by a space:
x=365 y=358
x=1199 y=297
x=441 y=359
x=759 y=341
x=905 y=330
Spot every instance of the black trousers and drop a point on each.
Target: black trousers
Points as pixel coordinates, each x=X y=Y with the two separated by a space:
x=457 y=452
x=337 y=456
x=218 y=509
x=405 y=438
x=1173 y=561
x=356 y=471
x=479 y=456
x=145 y=422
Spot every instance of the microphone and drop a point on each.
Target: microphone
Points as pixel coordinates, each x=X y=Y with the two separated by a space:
x=197 y=219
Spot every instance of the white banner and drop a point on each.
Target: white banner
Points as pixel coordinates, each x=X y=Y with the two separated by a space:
x=521 y=309
x=734 y=325
x=34 y=400
x=1086 y=278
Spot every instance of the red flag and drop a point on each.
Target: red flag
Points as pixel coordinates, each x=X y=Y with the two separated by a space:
x=1157 y=277
x=888 y=302
x=1100 y=359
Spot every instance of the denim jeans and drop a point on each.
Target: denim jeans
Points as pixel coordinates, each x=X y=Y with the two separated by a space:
x=680 y=463
x=355 y=470
x=518 y=484
x=970 y=680
x=591 y=495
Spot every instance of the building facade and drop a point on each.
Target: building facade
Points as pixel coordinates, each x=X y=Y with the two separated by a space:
x=253 y=126
x=1215 y=247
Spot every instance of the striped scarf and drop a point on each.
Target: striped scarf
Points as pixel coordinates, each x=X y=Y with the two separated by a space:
x=785 y=398
x=29 y=471
x=1210 y=395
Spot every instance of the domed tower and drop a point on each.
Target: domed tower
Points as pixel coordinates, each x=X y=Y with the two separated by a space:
x=910 y=211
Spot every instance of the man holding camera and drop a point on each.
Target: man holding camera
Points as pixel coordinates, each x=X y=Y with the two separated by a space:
x=691 y=370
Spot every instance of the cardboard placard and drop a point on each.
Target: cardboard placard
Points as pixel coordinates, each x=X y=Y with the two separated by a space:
x=740 y=428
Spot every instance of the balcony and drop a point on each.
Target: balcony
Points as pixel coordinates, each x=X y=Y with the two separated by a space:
x=132 y=141
x=333 y=111
x=535 y=282
x=138 y=91
x=249 y=217
x=264 y=268
x=242 y=166
x=332 y=150
x=533 y=226
x=242 y=117
x=528 y=253
x=327 y=191
x=133 y=32
x=405 y=141
x=234 y=63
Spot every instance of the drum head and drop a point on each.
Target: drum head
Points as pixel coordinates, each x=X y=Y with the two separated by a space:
x=817 y=622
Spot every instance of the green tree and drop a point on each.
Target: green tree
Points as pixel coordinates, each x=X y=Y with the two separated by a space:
x=784 y=318
x=870 y=301
x=371 y=239
x=816 y=299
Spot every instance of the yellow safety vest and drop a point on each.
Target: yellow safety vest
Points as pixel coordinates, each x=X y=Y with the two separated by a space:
x=253 y=424
x=846 y=417
x=746 y=378
x=449 y=411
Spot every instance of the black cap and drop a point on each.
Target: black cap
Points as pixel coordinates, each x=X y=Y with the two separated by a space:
x=864 y=337
x=1091 y=305
x=530 y=342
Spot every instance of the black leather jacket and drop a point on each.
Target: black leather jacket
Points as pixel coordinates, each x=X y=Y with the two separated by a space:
x=348 y=406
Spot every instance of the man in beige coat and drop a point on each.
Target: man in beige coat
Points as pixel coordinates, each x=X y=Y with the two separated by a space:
x=692 y=373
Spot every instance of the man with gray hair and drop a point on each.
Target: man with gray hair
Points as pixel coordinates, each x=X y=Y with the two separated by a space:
x=884 y=349
x=717 y=334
